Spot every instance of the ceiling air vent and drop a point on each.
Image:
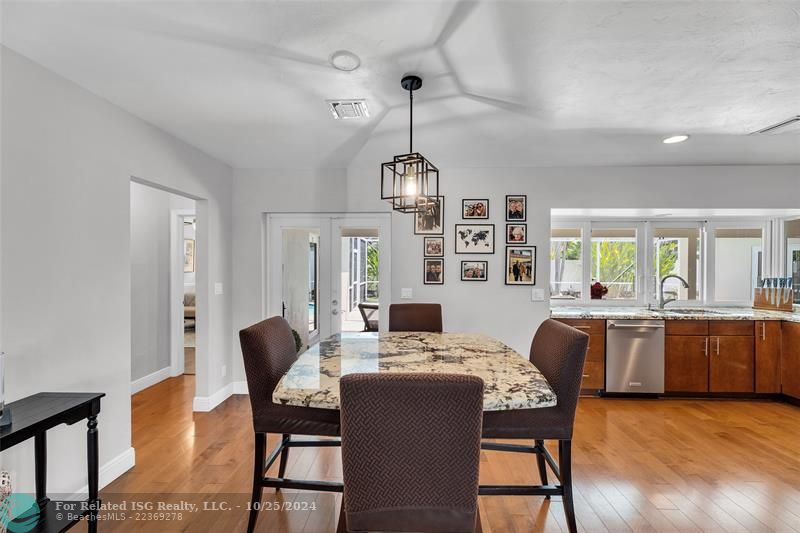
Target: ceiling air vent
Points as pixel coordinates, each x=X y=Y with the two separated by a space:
x=789 y=125
x=348 y=109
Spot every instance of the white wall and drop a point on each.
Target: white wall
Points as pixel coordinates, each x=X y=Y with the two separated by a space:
x=493 y=308
x=68 y=157
x=508 y=312
x=151 y=216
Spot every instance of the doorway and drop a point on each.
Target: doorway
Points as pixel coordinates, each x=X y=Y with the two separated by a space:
x=329 y=273
x=163 y=269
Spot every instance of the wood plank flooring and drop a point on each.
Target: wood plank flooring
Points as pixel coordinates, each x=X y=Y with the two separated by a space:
x=639 y=465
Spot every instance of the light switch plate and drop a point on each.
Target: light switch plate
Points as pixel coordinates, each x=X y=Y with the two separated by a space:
x=218 y=288
x=406 y=293
x=537 y=295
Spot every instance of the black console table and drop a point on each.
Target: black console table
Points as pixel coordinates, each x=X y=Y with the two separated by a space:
x=31 y=418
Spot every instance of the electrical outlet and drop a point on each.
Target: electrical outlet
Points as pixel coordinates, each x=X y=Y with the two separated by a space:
x=224 y=370
x=406 y=293
x=218 y=288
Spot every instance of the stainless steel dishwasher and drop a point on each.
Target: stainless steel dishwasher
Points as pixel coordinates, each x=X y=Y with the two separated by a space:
x=635 y=356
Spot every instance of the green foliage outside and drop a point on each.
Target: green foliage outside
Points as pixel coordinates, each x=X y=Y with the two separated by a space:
x=372 y=270
x=617 y=260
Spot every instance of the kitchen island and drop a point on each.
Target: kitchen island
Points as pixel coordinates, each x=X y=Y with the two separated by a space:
x=708 y=351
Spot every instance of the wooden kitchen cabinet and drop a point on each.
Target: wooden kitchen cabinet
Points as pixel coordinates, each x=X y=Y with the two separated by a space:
x=790 y=359
x=768 y=356
x=731 y=363
x=709 y=356
x=594 y=369
x=686 y=363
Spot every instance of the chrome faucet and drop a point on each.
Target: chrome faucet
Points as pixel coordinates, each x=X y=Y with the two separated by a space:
x=661 y=301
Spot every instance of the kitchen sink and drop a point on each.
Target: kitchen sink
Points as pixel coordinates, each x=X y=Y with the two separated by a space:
x=688 y=311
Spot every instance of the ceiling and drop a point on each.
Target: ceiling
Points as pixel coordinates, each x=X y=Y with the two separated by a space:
x=542 y=83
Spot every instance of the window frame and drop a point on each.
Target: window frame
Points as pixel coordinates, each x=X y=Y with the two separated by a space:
x=645 y=231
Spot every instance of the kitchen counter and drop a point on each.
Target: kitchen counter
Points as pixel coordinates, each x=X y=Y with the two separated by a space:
x=696 y=313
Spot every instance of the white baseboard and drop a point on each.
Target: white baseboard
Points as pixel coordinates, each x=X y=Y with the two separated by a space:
x=240 y=387
x=109 y=472
x=205 y=404
x=149 y=380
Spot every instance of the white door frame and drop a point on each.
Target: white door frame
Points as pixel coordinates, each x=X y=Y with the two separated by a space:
x=176 y=290
x=383 y=223
x=328 y=291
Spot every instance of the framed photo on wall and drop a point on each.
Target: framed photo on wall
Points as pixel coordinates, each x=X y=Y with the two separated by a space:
x=474 y=238
x=520 y=265
x=474 y=270
x=475 y=209
x=434 y=247
x=431 y=222
x=516 y=208
x=516 y=233
x=188 y=255
x=433 y=271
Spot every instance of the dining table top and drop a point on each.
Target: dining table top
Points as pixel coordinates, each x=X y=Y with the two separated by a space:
x=511 y=381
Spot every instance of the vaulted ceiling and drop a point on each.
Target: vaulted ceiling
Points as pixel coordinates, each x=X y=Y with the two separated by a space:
x=506 y=83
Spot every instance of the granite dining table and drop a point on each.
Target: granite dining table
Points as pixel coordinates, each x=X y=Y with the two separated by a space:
x=511 y=381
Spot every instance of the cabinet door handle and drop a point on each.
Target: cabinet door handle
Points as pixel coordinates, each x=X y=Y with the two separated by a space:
x=717 y=345
x=586 y=328
x=764 y=331
x=705 y=347
x=586 y=375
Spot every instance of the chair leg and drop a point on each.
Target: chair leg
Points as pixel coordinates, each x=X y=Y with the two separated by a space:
x=565 y=466
x=541 y=464
x=258 y=475
x=284 y=455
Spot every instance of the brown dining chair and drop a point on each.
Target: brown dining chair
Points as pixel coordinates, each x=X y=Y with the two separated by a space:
x=410 y=452
x=367 y=310
x=269 y=351
x=558 y=351
x=415 y=317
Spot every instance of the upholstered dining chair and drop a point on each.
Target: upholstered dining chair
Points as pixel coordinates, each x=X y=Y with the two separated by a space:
x=415 y=317
x=269 y=351
x=558 y=351
x=410 y=452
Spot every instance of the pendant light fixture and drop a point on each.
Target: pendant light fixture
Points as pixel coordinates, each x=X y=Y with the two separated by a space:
x=410 y=182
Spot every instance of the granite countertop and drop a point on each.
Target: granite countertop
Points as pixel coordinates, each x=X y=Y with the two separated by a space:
x=671 y=313
x=510 y=380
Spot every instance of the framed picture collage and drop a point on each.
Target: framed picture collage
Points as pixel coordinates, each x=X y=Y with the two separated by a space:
x=473 y=235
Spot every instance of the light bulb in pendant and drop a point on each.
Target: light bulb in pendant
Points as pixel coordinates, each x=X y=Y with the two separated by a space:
x=410 y=182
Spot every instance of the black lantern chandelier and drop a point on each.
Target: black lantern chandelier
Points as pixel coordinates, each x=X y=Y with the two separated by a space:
x=410 y=182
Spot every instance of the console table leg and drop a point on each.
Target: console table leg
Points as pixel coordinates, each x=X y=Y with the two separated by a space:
x=40 y=457
x=93 y=462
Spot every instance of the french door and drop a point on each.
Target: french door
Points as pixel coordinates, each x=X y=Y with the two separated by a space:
x=311 y=263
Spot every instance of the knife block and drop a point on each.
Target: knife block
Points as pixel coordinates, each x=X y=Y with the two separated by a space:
x=773 y=298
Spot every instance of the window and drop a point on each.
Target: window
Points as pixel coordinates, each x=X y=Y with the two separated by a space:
x=737 y=263
x=566 y=264
x=363 y=277
x=613 y=262
x=677 y=251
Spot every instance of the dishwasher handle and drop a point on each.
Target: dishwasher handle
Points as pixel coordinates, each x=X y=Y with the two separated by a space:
x=635 y=326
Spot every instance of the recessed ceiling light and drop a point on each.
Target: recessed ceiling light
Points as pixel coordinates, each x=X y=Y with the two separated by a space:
x=675 y=139
x=345 y=60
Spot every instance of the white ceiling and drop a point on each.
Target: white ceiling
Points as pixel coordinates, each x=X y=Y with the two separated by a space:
x=506 y=83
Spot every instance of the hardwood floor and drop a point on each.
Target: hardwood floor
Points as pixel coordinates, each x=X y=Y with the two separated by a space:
x=639 y=465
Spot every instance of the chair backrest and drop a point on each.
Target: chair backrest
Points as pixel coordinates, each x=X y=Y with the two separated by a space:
x=559 y=351
x=362 y=308
x=411 y=451
x=269 y=351
x=415 y=317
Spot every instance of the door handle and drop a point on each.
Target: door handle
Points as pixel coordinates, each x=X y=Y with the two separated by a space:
x=705 y=347
x=717 y=345
x=764 y=331
x=334 y=311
